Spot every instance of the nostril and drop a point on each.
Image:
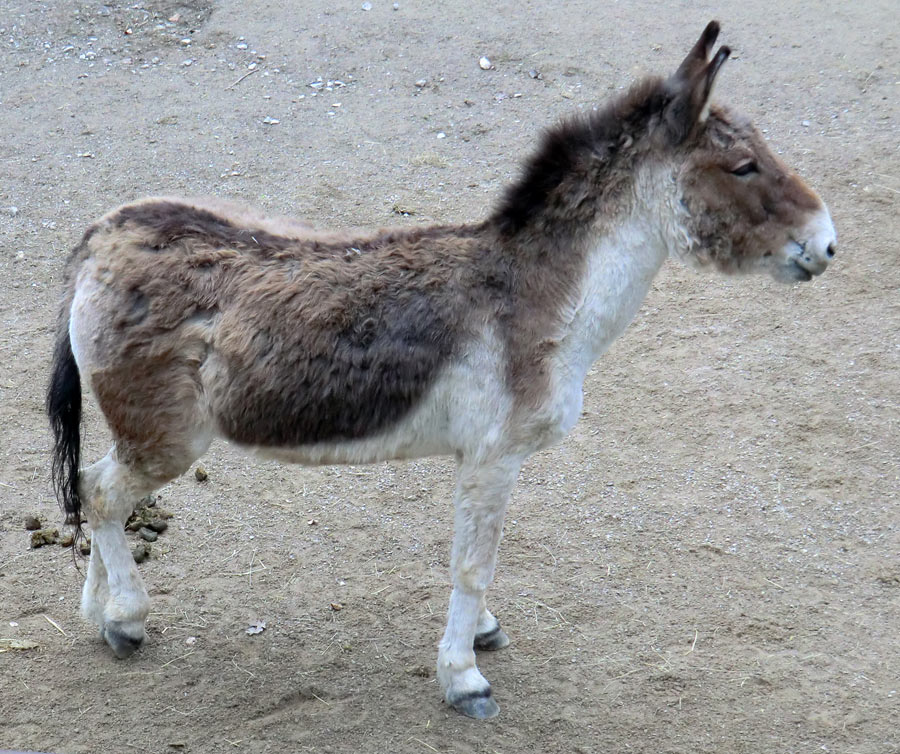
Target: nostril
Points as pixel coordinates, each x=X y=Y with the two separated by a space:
x=830 y=250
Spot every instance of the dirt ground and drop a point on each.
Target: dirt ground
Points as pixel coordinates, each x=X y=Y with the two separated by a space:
x=711 y=561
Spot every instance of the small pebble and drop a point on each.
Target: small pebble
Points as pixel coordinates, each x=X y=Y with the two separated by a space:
x=535 y=74
x=422 y=82
x=141 y=552
x=147 y=534
x=805 y=124
x=200 y=474
x=270 y=121
x=396 y=6
x=485 y=64
x=367 y=6
x=32 y=523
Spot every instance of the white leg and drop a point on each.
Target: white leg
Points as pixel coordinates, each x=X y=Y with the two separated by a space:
x=128 y=603
x=488 y=634
x=96 y=591
x=114 y=596
x=482 y=492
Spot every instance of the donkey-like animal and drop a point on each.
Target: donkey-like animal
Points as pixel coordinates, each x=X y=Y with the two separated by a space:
x=192 y=320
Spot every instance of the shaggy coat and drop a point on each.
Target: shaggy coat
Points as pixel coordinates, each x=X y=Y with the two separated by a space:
x=190 y=320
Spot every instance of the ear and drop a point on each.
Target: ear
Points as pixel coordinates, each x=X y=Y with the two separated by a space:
x=699 y=55
x=691 y=86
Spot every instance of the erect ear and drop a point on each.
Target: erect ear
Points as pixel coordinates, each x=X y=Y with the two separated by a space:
x=699 y=55
x=691 y=86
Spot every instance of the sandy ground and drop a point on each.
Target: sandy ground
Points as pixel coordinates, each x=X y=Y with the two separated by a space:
x=710 y=563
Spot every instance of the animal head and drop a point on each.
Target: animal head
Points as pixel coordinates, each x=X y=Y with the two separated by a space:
x=746 y=210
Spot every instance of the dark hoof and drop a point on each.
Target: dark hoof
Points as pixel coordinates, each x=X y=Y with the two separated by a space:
x=477 y=704
x=492 y=640
x=123 y=643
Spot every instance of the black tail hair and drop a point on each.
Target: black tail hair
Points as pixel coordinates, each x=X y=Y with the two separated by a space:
x=64 y=410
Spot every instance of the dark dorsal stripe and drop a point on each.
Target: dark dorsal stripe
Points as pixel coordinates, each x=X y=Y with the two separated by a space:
x=170 y=221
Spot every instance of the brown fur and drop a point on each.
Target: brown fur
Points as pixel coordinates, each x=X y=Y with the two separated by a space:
x=192 y=319
x=737 y=219
x=310 y=340
x=305 y=337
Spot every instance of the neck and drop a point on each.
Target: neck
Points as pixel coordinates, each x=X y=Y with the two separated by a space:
x=621 y=264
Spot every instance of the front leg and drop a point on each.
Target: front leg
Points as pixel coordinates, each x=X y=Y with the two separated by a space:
x=489 y=637
x=482 y=493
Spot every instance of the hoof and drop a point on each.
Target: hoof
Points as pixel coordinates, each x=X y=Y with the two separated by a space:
x=492 y=640
x=124 y=642
x=477 y=704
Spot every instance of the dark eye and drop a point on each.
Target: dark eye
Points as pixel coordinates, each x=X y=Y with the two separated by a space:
x=746 y=169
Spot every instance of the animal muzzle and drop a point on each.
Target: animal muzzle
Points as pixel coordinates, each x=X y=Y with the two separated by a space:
x=813 y=248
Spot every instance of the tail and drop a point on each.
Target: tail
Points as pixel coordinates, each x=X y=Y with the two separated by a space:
x=64 y=410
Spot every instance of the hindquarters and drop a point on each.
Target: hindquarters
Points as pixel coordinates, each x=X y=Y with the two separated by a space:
x=149 y=389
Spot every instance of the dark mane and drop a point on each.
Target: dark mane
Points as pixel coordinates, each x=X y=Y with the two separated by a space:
x=578 y=144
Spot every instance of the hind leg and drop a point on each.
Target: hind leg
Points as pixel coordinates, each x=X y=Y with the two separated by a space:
x=95 y=591
x=148 y=382
x=114 y=596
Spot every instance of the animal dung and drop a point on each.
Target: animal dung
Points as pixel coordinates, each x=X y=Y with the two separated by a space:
x=43 y=537
x=159 y=525
x=141 y=552
x=147 y=516
x=32 y=523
